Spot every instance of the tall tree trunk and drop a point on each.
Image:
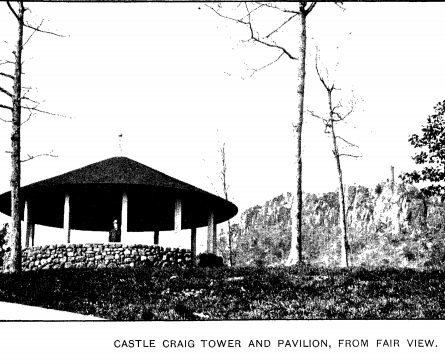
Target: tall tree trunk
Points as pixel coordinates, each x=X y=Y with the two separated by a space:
x=296 y=251
x=344 y=247
x=16 y=246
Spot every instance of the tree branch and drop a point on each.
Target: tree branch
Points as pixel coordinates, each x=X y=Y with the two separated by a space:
x=282 y=25
x=310 y=8
x=350 y=155
x=12 y=10
x=319 y=74
x=26 y=42
x=6 y=75
x=342 y=117
x=267 y=65
x=351 y=144
x=214 y=188
x=339 y=5
x=281 y=9
x=6 y=62
x=326 y=122
x=29 y=117
x=272 y=45
x=5 y=107
x=27 y=98
x=318 y=117
x=41 y=31
x=227 y=17
x=252 y=34
x=30 y=157
x=42 y=111
x=257 y=39
x=250 y=12
x=6 y=92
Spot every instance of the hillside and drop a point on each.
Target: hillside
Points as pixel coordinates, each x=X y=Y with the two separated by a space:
x=390 y=225
x=281 y=293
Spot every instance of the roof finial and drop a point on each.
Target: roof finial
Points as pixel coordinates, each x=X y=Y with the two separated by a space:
x=120 y=143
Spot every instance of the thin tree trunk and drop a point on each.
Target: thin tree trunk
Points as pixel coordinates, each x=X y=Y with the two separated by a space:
x=343 y=221
x=226 y=195
x=230 y=245
x=341 y=196
x=16 y=248
x=296 y=251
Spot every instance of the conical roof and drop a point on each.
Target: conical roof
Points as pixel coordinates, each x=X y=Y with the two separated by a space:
x=96 y=193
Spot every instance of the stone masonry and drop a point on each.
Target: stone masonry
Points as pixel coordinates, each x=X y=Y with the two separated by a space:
x=103 y=256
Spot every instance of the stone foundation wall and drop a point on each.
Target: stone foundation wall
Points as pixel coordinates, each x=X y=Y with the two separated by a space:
x=103 y=256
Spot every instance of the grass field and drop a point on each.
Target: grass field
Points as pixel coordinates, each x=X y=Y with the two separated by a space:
x=303 y=292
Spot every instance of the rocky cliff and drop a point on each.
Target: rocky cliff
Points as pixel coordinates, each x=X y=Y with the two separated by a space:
x=391 y=224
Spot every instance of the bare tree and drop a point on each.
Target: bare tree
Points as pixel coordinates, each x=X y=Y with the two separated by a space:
x=335 y=116
x=223 y=176
x=16 y=96
x=19 y=102
x=268 y=39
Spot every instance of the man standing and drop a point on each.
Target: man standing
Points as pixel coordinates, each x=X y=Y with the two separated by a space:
x=115 y=233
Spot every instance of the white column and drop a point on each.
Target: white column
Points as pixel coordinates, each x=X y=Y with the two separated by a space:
x=124 y=218
x=193 y=245
x=67 y=219
x=178 y=215
x=28 y=224
x=33 y=232
x=215 y=250
x=178 y=223
x=211 y=232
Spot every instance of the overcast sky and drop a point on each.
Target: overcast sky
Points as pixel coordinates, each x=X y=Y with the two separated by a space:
x=177 y=81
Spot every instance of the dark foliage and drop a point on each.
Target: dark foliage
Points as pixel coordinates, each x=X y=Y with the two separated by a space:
x=210 y=260
x=378 y=189
x=432 y=154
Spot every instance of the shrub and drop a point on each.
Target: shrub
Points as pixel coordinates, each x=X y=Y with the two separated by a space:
x=260 y=259
x=210 y=260
x=378 y=189
x=436 y=256
x=409 y=254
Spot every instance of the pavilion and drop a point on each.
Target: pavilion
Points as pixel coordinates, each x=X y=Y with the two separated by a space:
x=142 y=198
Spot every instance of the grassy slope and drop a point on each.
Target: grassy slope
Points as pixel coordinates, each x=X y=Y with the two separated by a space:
x=271 y=293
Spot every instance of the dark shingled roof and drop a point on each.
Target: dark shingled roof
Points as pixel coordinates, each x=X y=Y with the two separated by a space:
x=96 y=194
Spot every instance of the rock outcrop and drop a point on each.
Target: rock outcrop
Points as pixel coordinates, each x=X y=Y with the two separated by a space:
x=390 y=216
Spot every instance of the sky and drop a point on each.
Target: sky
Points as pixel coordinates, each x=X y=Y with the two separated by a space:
x=177 y=81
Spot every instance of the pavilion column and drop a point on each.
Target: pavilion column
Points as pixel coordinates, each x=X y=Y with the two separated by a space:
x=178 y=218
x=124 y=217
x=193 y=246
x=215 y=247
x=33 y=233
x=29 y=229
x=67 y=219
x=156 y=237
x=178 y=215
x=211 y=233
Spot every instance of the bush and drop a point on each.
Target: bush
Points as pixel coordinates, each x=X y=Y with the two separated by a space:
x=210 y=260
x=378 y=189
x=409 y=254
x=436 y=256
